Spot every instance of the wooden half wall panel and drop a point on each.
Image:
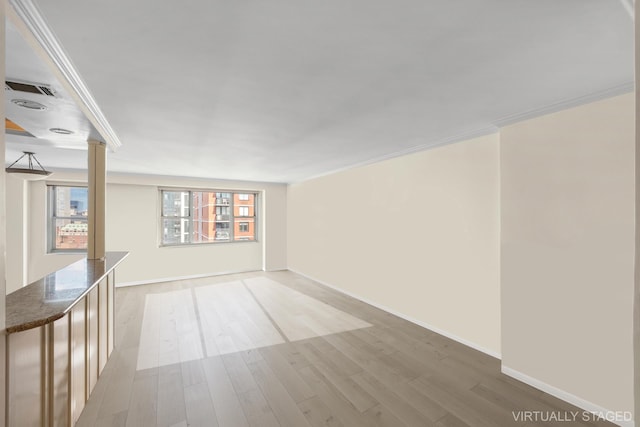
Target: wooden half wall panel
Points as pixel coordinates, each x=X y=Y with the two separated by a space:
x=54 y=368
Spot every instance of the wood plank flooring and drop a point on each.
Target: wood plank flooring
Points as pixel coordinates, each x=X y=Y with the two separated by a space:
x=276 y=349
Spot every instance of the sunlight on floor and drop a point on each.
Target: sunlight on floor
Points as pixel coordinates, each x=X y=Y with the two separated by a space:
x=178 y=326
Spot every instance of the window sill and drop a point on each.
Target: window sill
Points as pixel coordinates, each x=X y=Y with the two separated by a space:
x=208 y=245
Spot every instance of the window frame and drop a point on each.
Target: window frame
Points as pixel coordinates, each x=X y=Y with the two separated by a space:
x=52 y=217
x=232 y=217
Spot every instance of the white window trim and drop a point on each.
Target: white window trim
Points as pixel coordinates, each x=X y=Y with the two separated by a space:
x=232 y=218
x=51 y=218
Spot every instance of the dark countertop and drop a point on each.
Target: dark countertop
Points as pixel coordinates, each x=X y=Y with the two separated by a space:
x=51 y=297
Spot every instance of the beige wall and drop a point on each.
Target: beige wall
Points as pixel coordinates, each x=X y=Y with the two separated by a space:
x=17 y=234
x=418 y=235
x=275 y=228
x=567 y=259
x=132 y=225
x=38 y=262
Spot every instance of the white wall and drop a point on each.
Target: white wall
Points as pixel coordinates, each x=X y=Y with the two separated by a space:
x=568 y=252
x=17 y=234
x=39 y=262
x=418 y=234
x=132 y=225
x=275 y=228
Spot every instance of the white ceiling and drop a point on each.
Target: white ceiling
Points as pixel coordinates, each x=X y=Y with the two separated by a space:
x=285 y=90
x=22 y=64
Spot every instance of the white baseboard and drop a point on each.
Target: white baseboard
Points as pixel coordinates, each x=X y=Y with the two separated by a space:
x=405 y=317
x=173 y=279
x=563 y=395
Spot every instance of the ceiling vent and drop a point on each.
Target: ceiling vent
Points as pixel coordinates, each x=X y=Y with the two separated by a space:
x=28 y=87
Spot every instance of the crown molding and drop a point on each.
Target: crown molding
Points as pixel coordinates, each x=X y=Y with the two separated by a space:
x=26 y=16
x=464 y=136
x=564 y=105
x=492 y=128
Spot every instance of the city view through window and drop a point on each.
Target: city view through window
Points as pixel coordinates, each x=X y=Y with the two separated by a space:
x=68 y=222
x=188 y=217
x=193 y=217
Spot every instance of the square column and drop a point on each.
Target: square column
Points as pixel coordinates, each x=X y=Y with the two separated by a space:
x=97 y=199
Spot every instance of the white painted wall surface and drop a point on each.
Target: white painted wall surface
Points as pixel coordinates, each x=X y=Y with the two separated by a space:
x=39 y=262
x=568 y=252
x=17 y=233
x=132 y=225
x=274 y=211
x=418 y=235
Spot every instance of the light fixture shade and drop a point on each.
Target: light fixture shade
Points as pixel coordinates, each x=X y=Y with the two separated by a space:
x=29 y=173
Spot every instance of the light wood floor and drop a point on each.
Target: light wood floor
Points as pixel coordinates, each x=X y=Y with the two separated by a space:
x=276 y=349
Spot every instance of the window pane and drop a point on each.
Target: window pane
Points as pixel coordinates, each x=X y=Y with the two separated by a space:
x=203 y=211
x=222 y=218
x=195 y=217
x=222 y=235
x=223 y=199
x=70 y=201
x=244 y=204
x=244 y=199
x=223 y=213
x=70 y=234
x=67 y=225
x=175 y=203
x=175 y=231
x=244 y=229
x=202 y=232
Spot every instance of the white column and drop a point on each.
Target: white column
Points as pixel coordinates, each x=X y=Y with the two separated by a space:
x=97 y=199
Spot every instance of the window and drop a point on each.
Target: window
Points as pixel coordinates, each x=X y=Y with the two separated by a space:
x=193 y=217
x=67 y=223
x=223 y=213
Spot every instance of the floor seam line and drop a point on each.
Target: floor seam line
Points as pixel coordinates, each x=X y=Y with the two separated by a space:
x=196 y=311
x=266 y=313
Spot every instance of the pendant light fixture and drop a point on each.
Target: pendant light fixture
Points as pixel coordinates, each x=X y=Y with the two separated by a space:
x=29 y=173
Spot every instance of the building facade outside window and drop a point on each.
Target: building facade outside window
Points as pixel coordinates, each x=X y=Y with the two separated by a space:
x=67 y=224
x=212 y=216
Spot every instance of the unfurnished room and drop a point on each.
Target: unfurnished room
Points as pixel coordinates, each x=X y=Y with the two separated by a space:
x=329 y=213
